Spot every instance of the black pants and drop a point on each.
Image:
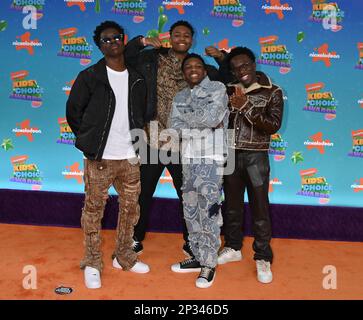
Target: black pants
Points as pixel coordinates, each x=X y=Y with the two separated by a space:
x=252 y=170
x=149 y=175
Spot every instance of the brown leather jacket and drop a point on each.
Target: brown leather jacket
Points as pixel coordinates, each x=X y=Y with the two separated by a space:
x=259 y=118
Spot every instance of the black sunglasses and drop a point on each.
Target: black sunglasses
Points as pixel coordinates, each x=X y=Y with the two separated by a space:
x=116 y=37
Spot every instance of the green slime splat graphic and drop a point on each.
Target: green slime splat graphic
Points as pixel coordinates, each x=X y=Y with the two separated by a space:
x=161 y=23
x=98 y=6
x=7 y=144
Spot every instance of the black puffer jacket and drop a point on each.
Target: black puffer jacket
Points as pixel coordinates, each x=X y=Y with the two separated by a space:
x=91 y=106
x=146 y=62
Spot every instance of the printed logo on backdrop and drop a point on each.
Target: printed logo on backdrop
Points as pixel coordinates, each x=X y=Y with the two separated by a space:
x=25 y=43
x=81 y=4
x=166 y=178
x=323 y=54
x=66 y=136
x=273 y=54
x=178 y=5
x=327 y=14
x=21 y=4
x=24 y=89
x=67 y=88
x=359 y=64
x=273 y=183
x=25 y=173
x=229 y=9
x=25 y=129
x=276 y=7
x=357 y=186
x=316 y=142
x=75 y=46
x=314 y=186
x=73 y=172
x=134 y=8
x=320 y=101
x=277 y=147
x=357 y=149
x=360 y=102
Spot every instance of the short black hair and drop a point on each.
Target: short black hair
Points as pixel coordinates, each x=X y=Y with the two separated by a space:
x=182 y=23
x=190 y=56
x=239 y=51
x=103 y=26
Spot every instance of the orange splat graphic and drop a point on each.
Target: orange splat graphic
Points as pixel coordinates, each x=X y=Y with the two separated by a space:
x=319 y=138
x=223 y=45
x=80 y=4
x=279 y=13
x=271 y=186
x=180 y=7
x=324 y=49
x=26 y=38
x=360 y=183
x=70 y=84
x=26 y=125
x=75 y=172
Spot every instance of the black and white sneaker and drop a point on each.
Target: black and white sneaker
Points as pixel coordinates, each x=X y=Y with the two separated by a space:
x=137 y=247
x=187 y=250
x=206 y=277
x=189 y=265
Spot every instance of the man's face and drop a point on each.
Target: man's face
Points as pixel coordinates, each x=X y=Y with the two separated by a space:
x=244 y=69
x=194 y=72
x=181 y=39
x=112 y=42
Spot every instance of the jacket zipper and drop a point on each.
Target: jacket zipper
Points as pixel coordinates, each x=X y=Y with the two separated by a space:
x=104 y=128
x=130 y=97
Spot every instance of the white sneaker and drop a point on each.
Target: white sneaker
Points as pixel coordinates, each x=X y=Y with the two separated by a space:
x=264 y=273
x=229 y=255
x=92 y=278
x=139 y=266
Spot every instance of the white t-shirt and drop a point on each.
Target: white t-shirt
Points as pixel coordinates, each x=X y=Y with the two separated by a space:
x=119 y=144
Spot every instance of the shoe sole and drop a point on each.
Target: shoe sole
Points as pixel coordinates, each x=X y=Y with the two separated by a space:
x=232 y=260
x=264 y=281
x=190 y=270
x=117 y=266
x=93 y=286
x=206 y=285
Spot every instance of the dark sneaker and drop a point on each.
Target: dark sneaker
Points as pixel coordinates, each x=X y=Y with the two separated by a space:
x=137 y=247
x=188 y=250
x=189 y=265
x=206 y=277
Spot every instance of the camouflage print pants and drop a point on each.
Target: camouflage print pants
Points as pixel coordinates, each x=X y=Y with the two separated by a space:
x=202 y=187
x=124 y=175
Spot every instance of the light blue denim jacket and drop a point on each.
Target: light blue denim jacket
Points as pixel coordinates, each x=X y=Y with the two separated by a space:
x=196 y=114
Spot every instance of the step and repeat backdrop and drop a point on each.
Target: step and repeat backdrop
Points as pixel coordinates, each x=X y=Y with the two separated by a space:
x=313 y=49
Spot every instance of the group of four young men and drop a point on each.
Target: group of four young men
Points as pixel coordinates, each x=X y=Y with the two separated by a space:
x=159 y=90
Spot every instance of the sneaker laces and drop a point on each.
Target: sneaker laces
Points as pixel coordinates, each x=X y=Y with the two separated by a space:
x=183 y=263
x=225 y=250
x=134 y=244
x=205 y=272
x=263 y=265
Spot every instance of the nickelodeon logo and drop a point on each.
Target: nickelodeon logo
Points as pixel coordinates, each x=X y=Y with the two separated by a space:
x=316 y=142
x=324 y=55
x=135 y=7
x=312 y=186
x=73 y=172
x=26 y=43
x=80 y=3
x=178 y=5
x=320 y=101
x=25 y=173
x=66 y=134
x=67 y=88
x=26 y=130
x=274 y=54
x=229 y=9
x=358 y=186
x=277 y=147
x=276 y=7
x=274 y=182
x=166 y=178
x=75 y=47
x=357 y=149
x=26 y=89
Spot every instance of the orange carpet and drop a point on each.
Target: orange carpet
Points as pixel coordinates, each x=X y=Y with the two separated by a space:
x=55 y=253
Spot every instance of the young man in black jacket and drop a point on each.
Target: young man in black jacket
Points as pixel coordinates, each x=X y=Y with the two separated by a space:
x=161 y=68
x=106 y=102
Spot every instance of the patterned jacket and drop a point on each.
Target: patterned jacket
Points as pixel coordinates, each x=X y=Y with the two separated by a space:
x=205 y=108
